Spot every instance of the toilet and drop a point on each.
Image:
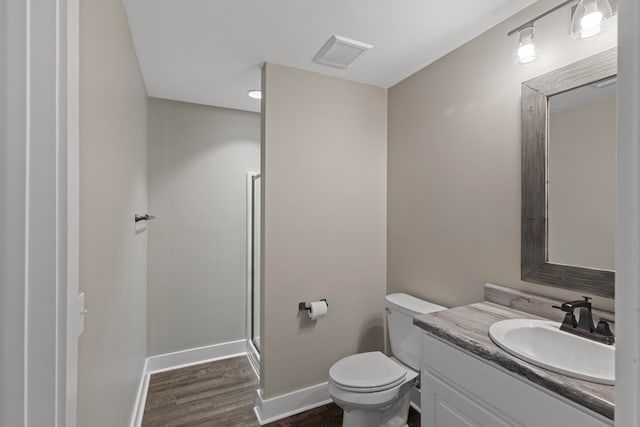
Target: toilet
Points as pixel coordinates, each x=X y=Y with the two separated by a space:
x=374 y=389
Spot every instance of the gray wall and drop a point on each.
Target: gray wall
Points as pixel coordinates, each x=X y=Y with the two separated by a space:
x=324 y=220
x=113 y=187
x=198 y=159
x=454 y=163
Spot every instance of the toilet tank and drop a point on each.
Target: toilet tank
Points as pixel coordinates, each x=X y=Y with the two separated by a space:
x=406 y=338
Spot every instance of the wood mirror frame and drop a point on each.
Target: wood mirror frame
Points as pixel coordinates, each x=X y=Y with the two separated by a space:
x=535 y=100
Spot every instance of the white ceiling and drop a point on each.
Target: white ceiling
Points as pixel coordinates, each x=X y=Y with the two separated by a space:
x=211 y=51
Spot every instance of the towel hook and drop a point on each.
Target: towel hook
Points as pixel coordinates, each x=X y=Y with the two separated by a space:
x=146 y=217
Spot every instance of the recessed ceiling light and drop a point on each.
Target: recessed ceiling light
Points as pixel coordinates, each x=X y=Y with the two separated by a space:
x=255 y=94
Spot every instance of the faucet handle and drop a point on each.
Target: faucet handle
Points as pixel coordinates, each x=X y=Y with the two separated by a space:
x=604 y=330
x=566 y=307
x=570 y=320
x=587 y=299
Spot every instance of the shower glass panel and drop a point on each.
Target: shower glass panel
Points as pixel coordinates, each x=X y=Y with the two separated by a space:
x=255 y=263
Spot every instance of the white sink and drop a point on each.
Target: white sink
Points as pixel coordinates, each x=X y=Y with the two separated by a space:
x=542 y=343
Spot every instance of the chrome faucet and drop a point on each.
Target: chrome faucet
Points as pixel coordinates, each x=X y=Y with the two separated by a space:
x=584 y=326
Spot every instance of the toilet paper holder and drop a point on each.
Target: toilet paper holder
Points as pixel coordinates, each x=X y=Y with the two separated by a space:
x=302 y=306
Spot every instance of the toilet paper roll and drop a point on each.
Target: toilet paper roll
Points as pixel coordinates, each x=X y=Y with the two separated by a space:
x=317 y=310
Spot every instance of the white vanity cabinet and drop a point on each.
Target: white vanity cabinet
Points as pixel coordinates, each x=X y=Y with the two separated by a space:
x=460 y=389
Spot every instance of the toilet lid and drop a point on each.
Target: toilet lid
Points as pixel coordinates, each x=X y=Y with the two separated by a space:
x=368 y=372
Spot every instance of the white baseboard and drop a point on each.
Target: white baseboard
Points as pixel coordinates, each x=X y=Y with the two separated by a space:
x=141 y=397
x=254 y=358
x=193 y=356
x=181 y=359
x=276 y=408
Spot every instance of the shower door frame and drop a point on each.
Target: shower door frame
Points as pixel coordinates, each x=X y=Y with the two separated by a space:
x=252 y=352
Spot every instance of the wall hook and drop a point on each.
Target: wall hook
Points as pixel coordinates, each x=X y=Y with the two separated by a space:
x=146 y=217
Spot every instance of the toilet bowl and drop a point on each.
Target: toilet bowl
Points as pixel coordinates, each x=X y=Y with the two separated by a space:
x=374 y=389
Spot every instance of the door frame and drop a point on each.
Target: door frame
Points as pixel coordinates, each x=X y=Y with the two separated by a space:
x=252 y=353
x=39 y=212
x=627 y=301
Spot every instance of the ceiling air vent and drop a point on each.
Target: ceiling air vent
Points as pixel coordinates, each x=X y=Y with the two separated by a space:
x=340 y=52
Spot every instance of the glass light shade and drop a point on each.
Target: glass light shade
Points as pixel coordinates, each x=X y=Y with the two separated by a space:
x=527 y=47
x=589 y=18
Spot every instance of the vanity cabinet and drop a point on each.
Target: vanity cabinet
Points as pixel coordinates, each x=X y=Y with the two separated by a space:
x=460 y=389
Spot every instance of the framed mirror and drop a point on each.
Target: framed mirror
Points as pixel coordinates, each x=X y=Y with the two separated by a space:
x=568 y=176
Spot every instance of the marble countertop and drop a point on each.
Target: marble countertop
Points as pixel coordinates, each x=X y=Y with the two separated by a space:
x=467 y=327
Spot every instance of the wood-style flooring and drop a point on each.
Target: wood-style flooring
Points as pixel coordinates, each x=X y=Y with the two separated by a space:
x=220 y=393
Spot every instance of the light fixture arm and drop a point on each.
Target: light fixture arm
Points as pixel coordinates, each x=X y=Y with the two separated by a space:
x=542 y=15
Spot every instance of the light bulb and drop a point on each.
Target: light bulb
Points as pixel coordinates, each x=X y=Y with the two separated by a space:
x=527 y=51
x=590 y=32
x=592 y=20
x=589 y=18
x=527 y=46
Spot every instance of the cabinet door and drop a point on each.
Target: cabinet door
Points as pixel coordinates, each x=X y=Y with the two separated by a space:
x=444 y=406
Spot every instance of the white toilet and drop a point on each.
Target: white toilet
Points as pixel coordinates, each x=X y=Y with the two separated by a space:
x=374 y=389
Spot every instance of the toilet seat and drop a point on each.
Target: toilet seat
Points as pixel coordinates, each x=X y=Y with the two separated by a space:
x=367 y=373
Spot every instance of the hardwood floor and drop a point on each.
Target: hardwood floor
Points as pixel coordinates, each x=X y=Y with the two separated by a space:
x=211 y=394
x=221 y=394
x=328 y=416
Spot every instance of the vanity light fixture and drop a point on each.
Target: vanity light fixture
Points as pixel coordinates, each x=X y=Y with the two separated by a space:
x=255 y=94
x=588 y=19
